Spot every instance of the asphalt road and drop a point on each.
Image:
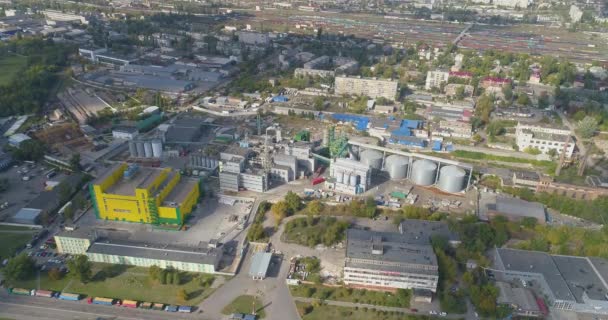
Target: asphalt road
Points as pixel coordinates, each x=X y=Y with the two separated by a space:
x=26 y=307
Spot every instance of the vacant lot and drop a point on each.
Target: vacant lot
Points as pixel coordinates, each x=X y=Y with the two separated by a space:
x=245 y=304
x=322 y=312
x=132 y=283
x=11 y=66
x=400 y=299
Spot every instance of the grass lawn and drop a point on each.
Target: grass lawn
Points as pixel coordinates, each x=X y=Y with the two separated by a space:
x=16 y=228
x=128 y=282
x=11 y=66
x=321 y=312
x=401 y=299
x=11 y=242
x=244 y=304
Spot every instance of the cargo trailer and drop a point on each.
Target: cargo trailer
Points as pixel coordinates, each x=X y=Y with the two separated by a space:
x=171 y=308
x=185 y=309
x=102 y=301
x=69 y=296
x=44 y=293
x=21 y=292
x=145 y=305
x=130 y=303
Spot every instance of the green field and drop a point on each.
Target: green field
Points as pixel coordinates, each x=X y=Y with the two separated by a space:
x=244 y=304
x=11 y=66
x=11 y=242
x=323 y=311
x=127 y=282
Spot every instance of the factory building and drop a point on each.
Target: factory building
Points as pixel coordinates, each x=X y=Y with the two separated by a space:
x=105 y=247
x=125 y=133
x=372 y=88
x=285 y=168
x=351 y=176
x=317 y=62
x=388 y=261
x=234 y=174
x=201 y=161
x=253 y=38
x=577 y=284
x=303 y=72
x=152 y=148
x=55 y=15
x=544 y=139
x=144 y=195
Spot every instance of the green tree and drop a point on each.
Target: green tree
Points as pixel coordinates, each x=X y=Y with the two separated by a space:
x=507 y=91
x=32 y=150
x=459 y=93
x=163 y=276
x=293 y=201
x=55 y=274
x=19 y=268
x=279 y=211
x=182 y=295
x=176 y=278
x=319 y=103
x=256 y=232
x=68 y=213
x=587 y=127
x=485 y=105
x=315 y=207
x=154 y=272
x=75 y=162
x=80 y=268
x=523 y=99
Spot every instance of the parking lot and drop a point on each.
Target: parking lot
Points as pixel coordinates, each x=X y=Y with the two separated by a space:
x=20 y=191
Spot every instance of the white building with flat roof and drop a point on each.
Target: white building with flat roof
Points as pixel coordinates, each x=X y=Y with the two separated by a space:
x=434 y=79
x=544 y=139
x=370 y=87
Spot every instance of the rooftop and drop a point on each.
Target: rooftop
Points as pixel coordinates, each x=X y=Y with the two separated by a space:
x=193 y=254
x=142 y=179
x=259 y=264
x=527 y=175
x=517 y=207
x=420 y=231
x=364 y=247
x=521 y=297
x=181 y=190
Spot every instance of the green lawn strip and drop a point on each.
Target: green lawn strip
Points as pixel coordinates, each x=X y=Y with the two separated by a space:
x=401 y=299
x=11 y=66
x=11 y=242
x=126 y=282
x=16 y=228
x=323 y=311
x=244 y=304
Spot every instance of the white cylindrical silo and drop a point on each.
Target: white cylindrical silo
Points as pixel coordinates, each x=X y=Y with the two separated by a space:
x=340 y=177
x=424 y=172
x=139 y=145
x=157 y=148
x=132 y=149
x=396 y=166
x=372 y=158
x=148 y=149
x=451 y=179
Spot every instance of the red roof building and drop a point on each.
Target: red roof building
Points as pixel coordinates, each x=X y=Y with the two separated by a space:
x=494 y=82
x=461 y=74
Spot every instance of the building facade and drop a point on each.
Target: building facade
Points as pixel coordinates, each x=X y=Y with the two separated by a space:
x=544 y=139
x=434 y=79
x=367 y=87
x=387 y=261
x=144 y=195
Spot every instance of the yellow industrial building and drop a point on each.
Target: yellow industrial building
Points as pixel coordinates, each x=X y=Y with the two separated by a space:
x=146 y=195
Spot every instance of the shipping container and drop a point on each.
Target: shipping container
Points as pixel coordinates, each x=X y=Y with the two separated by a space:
x=316 y=181
x=185 y=309
x=171 y=308
x=398 y=195
x=21 y=291
x=158 y=306
x=130 y=303
x=44 y=293
x=103 y=301
x=145 y=305
x=69 y=296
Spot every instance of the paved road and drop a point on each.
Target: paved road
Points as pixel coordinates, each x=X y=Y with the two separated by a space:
x=25 y=307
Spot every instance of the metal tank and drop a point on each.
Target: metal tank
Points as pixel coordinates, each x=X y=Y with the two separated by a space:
x=132 y=149
x=353 y=180
x=451 y=179
x=139 y=145
x=396 y=166
x=424 y=172
x=148 y=149
x=157 y=148
x=340 y=177
x=372 y=158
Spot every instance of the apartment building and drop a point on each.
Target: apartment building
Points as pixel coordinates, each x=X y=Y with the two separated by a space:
x=434 y=79
x=370 y=87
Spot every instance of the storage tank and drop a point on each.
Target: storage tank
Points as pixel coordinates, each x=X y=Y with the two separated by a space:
x=372 y=158
x=139 y=145
x=353 y=180
x=396 y=166
x=148 y=149
x=451 y=179
x=132 y=149
x=340 y=177
x=424 y=172
x=157 y=148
